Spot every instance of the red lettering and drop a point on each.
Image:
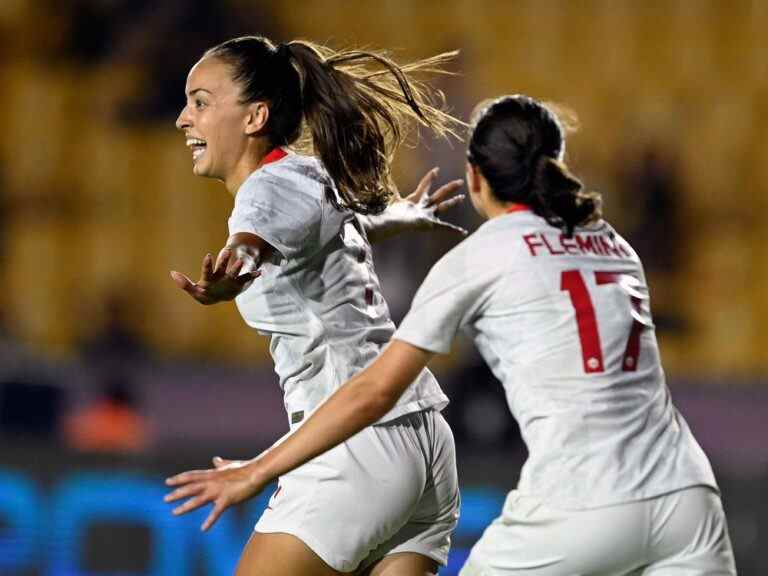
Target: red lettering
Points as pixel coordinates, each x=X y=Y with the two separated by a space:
x=623 y=250
x=599 y=248
x=604 y=245
x=568 y=244
x=529 y=240
x=632 y=350
x=586 y=244
x=551 y=250
x=609 y=247
x=579 y=244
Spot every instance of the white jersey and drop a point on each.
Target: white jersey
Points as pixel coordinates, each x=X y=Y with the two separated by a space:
x=565 y=325
x=318 y=297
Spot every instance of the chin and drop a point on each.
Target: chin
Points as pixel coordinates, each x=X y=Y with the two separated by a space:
x=201 y=170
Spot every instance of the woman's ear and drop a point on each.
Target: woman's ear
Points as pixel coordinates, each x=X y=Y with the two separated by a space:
x=256 y=119
x=473 y=178
x=475 y=184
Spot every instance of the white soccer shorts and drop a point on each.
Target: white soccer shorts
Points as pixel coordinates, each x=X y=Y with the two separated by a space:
x=391 y=488
x=683 y=533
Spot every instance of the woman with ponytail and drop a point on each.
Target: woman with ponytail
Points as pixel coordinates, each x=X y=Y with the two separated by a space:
x=298 y=264
x=556 y=302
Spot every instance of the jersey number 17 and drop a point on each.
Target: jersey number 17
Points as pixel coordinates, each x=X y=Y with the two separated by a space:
x=572 y=281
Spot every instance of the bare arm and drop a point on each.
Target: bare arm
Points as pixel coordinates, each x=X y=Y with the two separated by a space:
x=236 y=266
x=356 y=405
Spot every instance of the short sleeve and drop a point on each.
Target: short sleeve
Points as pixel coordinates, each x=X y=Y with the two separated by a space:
x=283 y=210
x=447 y=302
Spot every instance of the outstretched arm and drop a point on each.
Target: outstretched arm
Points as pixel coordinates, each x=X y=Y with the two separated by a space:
x=418 y=211
x=236 y=266
x=356 y=405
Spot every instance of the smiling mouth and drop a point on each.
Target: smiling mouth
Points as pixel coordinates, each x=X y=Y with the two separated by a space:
x=197 y=146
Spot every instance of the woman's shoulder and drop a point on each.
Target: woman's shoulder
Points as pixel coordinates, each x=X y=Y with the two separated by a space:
x=294 y=175
x=481 y=252
x=297 y=168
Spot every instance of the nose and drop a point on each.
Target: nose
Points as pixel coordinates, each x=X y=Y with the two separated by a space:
x=183 y=121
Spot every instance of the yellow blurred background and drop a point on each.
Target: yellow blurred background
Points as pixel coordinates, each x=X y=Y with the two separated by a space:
x=111 y=378
x=98 y=201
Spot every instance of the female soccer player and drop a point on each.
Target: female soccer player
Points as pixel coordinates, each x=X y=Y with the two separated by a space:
x=557 y=303
x=387 y=500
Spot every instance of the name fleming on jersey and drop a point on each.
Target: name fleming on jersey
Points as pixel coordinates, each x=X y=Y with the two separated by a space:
x=602 y=244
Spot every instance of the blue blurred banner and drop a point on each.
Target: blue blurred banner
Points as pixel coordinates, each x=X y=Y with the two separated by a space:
x=68 y=514
x=64 y=529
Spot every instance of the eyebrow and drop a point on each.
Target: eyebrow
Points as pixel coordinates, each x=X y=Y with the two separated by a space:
x=196 y=90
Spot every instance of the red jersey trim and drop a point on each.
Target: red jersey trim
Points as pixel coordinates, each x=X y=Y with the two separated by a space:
x=274 y=156
x=518 y=208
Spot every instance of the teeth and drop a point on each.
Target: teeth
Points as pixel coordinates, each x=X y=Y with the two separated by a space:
x=195 y=142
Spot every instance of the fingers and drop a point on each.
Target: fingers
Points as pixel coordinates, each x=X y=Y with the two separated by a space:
x=448 y=226
x=445 y=192
x=233 y=273
x=243 y=279
x=218 y=507
x=184 y=492
x=206 y=271
x=233 y=268
x=450 y=203
x=201 y=496
x=182 y=281
x=195 y=290
x=187 y=477
x=424 y=186
x=222 y=260
x=200 y=487
x=193 y=503
x=231 y=265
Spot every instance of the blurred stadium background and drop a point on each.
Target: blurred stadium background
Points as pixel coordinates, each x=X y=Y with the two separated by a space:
x=110 y=378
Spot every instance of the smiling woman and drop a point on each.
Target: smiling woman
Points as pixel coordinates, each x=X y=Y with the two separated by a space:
x=386 y=501
x=214 y=111
x=355 y=108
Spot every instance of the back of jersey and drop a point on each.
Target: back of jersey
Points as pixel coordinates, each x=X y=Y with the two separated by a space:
x=565 y=324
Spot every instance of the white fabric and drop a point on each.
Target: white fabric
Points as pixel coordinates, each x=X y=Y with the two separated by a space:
x=319 y=298
x=391 y=488
x=679 y=534
x=594 y=438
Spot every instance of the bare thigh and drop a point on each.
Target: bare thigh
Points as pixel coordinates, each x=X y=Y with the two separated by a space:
x=279 y=554
x=404 y=564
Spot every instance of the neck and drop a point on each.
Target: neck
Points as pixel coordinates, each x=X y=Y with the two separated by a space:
x=489 y=205
x=252 y=159
x=494 y=208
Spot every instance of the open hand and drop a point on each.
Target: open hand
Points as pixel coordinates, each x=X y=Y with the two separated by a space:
x=420 y=209
x=220 y=282
x=229 y=482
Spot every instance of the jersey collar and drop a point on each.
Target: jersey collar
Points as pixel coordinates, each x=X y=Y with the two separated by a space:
x=518 y=208
x=275 y=155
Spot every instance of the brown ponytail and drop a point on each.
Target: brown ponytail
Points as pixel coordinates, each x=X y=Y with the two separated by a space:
x=359 y=106
x=351 y=108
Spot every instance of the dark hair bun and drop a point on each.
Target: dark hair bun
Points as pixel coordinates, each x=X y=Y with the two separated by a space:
x=517 y=144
